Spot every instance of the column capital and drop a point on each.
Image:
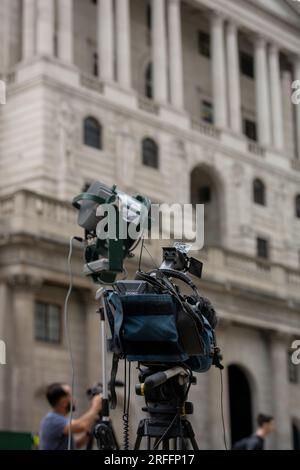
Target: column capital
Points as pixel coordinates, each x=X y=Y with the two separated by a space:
x=279 y=336
x=260 y=41
x=232 y=25
x=25 y=282
x=274 y=48
x=218 y=17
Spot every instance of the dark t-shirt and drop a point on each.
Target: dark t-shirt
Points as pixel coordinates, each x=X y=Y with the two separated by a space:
x=51 y=434
x=253 y=442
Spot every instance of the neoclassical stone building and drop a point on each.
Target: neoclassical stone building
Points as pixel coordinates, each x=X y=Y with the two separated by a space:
x=185 y=101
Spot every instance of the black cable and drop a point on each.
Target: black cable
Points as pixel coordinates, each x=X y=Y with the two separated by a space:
x=167 y=430
x=222 y=412
x=141 y=253
x=125 y=410
x=153 y=260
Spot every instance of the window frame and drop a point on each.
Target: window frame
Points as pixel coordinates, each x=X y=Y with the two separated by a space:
x=204 y=43
x=297 y=206
x=100 y=136
x=246 y=56
x=259 y=199
x=156 y=146
x=47 y=337
x=207 y=104
x=259 y=256
x=148 y=81
x=247 y=122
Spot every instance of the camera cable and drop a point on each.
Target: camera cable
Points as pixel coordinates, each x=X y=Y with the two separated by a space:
x=67 y=333
x=127 y=385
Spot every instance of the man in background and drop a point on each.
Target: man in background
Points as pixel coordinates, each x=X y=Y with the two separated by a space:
x=55 y=426
x=266 y=426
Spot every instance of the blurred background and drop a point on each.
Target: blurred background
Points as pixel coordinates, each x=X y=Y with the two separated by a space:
x=182 y=101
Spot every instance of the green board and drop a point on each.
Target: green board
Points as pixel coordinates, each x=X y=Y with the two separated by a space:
x=15 y=441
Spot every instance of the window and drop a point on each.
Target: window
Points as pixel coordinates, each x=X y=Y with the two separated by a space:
x=297 y=206
x=259 y=192
x=150 y=153
x=247 y=64
x=47 y=322
x=204 y=46
x=262 y=248
x=204 y=195
x=92 y=133
x=95 y=65
x=250 y=129
x=292 y=369
x=149 y=82
x=207 y=112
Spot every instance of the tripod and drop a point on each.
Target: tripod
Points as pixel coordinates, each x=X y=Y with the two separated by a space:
x=103 y=430
x=167 y=426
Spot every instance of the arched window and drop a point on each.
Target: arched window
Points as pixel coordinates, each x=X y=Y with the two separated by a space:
x=259 y=192
x=92 y=133
x=149 y=81
x=297 y=206
x=150 y=153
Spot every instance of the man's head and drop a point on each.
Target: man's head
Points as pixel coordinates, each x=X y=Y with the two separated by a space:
x=265 y=423
x=59 y=397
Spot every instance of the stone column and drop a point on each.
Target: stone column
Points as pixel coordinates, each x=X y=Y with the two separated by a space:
x=262 y=92
x=6 y=369
x=28 y=29
x=297 y=108
x=276 y=98
x=219 y=70
x=279 y=374
x=106 y=39
x=45 y=27
x=159 y=50
x=65 y=31
x=22 y=360
x=123 y=43
x=175 y=54
x=234 y=86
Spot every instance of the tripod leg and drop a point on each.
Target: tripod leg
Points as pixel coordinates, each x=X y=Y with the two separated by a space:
x=137 y=443
x=178 y=443
x=166 y=444
x=194 y=444
x=190 y=434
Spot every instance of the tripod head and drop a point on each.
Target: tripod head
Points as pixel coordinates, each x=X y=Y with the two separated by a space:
x=165 y=390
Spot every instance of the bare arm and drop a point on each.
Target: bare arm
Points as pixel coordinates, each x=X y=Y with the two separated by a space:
x=86 y=421
x=81 y=440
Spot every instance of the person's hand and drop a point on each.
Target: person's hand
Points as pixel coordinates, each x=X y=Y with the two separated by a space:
x=97 y=403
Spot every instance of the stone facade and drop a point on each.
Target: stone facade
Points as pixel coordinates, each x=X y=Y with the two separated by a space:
x=50 y=52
